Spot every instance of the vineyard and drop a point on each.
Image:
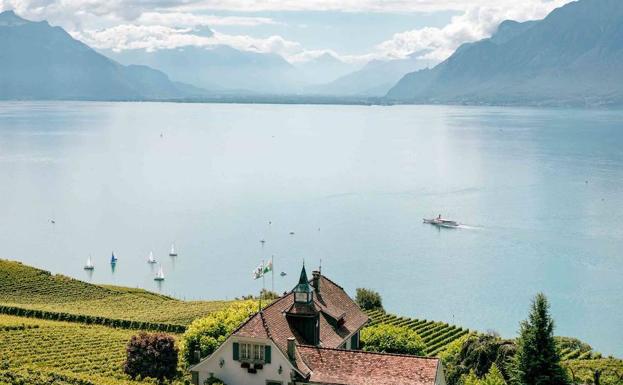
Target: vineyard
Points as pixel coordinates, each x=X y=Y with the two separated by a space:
x=69 y=350
x=436 y=335
x=26 y=287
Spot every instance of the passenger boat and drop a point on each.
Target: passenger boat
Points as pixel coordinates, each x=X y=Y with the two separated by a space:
x=441 y=222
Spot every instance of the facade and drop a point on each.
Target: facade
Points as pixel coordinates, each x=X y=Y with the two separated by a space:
x=310 y=336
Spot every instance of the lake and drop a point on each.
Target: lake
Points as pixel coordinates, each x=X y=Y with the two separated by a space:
x=539 y=193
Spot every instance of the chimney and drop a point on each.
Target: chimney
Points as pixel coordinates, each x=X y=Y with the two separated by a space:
x=316 y=280
x=291 y=348
x=196 y=356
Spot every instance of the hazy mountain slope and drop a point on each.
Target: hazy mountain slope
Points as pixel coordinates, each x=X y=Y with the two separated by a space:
x=219 y=68
x=375 y=78
x=573 y=56
x=324 y=69
x=38 y=61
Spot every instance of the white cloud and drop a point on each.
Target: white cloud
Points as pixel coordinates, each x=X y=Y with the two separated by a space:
x=477 y=22
x=176 y=19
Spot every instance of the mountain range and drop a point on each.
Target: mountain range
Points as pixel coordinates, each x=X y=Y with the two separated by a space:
x=572 y=57
x=38 y=61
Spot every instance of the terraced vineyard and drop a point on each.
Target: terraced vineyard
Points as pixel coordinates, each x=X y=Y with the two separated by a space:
x=62 y=350
x=30 y=288
x=436 y=335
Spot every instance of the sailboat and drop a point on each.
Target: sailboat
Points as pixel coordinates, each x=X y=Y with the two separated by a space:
x=151 y=258
x=113 y=259
x=173 y=252
x=89 y=265
x=160 y=275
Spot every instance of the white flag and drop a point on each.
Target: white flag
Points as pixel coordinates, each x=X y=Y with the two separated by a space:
x=259 y=271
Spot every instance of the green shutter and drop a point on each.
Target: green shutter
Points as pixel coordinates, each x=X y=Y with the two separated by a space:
x=195 y=378
x=236 y=351
x=267 y=354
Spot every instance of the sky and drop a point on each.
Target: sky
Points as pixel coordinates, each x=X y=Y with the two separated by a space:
x=355 y=31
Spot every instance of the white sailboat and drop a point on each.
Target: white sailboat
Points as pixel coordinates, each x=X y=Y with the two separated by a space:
x=173 y=252
x=151 y=258
x=89 y=265
x=160 y=275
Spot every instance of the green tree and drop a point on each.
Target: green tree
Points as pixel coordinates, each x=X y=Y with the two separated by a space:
x=477 y=353
x=151 y=355
x=537 y=361
x=391 y=339
x=492 y=377
x=208 y=333
x=368 y=299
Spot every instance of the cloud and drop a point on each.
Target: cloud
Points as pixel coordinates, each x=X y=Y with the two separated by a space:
x=175 y=19
x=155 y=37
x=477 y=22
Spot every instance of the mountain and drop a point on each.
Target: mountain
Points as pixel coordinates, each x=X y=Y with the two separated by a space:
x=324 y=69
x=572 y=57
x=376 y=77
x=38 y=61
x=219 y=69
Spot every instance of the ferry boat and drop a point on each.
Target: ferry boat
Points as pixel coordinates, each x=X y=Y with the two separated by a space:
x=441 y=222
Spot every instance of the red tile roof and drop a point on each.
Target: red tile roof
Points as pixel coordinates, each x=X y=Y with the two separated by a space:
x=333 y=304
x=354 y=367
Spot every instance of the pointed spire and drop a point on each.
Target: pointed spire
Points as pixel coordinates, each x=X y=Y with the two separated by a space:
x=303 y=279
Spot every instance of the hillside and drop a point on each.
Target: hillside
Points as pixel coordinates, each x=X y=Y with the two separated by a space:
x=572 y=57
x=30 y=288
x=38 y=61
x=220 y=69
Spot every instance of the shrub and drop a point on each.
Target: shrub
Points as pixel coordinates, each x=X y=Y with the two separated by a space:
x=368 y=299
x=492 y=377
x=392 y=339
x=477 y=353
x=151 y=355
x=208 y=333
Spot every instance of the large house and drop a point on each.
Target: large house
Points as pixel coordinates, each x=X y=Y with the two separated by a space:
x=311 y=336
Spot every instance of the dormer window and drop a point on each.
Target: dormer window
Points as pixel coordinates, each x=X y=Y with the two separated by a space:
x=303 y=297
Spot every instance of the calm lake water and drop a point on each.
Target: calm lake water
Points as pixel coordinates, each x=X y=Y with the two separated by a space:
x=540 y=194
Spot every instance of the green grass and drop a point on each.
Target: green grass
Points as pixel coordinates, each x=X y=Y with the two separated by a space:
x=30 y=288
x=436 y=335
x=66 y=349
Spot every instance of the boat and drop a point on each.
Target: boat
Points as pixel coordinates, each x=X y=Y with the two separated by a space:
x=160 y=275
x=173 y=252
x=89 y=265
x=113 y=259
x=151 y=258
x=441 y=222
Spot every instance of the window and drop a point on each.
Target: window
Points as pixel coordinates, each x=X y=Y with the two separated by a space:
x=252 y=352
x=245 y=353
x=258 y=352
x=270 y=382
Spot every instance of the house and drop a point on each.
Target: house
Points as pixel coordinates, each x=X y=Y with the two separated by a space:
x=311 y=336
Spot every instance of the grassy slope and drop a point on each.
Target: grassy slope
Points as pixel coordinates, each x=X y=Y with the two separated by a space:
x=74 y=350
x=32 y=288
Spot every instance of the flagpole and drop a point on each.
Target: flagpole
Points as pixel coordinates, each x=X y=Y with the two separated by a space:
x=263 y=285
x=272 y=273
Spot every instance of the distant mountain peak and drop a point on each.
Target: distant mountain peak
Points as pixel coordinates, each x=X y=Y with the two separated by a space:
x=10 y=18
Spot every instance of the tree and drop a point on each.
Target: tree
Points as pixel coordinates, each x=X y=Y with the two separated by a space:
x=537 y=361
x=391 y=339
x=151 y=355
x=208 y=333
x=477 y=353
x=492 y=377
x=368 y=299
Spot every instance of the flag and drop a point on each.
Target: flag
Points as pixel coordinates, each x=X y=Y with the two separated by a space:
x=259 y=271
x=268 y=267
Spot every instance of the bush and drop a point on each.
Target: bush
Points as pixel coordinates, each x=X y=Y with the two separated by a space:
x=493 y=377
x=208 y=333
x=151 y=355
x=392 y=339
x=477 y=353
x=368 y=299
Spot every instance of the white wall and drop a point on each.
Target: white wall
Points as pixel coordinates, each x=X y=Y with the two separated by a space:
x=231 y=372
